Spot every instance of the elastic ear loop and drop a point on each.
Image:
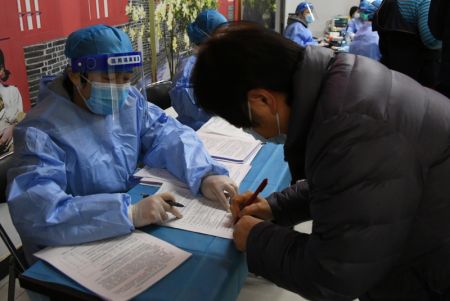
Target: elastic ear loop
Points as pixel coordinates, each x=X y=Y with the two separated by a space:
x=79 y=92
x=277 y=117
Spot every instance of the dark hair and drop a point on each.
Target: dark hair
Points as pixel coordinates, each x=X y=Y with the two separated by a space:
x=353 y=9
x=69 y=86
x=2 y=66
x=239 y=57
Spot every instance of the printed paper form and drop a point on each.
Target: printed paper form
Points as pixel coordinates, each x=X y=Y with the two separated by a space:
x=229 y=148
x=119 y=268
x=199 y=214
x=158 y=176
x=219 y=126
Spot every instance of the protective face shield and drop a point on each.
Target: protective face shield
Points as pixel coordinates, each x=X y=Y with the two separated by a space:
x=307 y=10
x=110 y=77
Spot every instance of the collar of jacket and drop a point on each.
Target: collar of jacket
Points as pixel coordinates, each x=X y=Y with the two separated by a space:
x=307 y=82
x=294 y=18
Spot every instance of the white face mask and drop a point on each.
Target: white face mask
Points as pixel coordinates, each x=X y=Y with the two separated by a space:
x=278 y=139
x=356 y=16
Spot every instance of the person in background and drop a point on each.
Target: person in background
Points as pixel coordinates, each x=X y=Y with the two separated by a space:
x=365 y=41
x=355 y=22
x=181 y=93
x=297 y=28
x=77 y=149
x=11 y=108
x=439 y=22
x=406 y=43
x=370 y=165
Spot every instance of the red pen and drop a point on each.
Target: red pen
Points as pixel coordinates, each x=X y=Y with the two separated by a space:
x=252 y=199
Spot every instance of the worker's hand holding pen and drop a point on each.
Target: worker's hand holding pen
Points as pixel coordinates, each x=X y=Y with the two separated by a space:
x=153 y=209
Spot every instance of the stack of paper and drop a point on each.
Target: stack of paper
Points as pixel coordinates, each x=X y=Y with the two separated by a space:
x=119 y=268
x=233 y=149
x=219 y=126
x=157 y=176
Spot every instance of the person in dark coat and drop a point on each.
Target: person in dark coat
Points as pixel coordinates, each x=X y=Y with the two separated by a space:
x=368 y=149
x=439 y=22
x=406 y=43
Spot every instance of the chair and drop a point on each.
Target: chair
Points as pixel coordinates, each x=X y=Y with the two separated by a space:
x=17 y=263
x=158 y=94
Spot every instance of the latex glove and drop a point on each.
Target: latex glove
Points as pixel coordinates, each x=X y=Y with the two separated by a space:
x=213 y=187
x=152 y=210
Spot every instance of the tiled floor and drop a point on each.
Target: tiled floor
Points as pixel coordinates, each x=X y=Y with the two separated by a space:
x=20 y=294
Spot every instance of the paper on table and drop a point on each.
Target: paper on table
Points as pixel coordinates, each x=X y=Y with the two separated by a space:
x=237 y=171
x=159 y=176
x=119 y=268
x=199 y=214
x=219 y=126
x=230 y=148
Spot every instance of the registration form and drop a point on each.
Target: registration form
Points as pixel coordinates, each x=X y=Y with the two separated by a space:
x=199 y=214
x=119 y=268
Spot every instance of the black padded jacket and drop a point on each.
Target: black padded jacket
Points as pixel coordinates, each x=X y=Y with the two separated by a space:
x=374 y=146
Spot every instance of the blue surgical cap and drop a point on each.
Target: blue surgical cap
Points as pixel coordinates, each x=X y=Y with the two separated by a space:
x=302 y=6
x=367 y=8
x=205 y=23
x=97 y=39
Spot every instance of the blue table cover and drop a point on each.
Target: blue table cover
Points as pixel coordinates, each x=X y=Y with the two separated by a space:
x=216 y=270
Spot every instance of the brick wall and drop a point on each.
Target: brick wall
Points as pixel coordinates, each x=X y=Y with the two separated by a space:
x=48 y=58
x=43 y=59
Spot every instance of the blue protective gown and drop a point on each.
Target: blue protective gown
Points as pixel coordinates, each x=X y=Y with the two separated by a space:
x=73 y=166
x=354 y=25
x=299 y=33
x=365 y=42
x=183 y=99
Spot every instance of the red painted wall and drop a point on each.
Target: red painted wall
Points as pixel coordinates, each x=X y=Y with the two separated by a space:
x=58 y=18
x=229 y=8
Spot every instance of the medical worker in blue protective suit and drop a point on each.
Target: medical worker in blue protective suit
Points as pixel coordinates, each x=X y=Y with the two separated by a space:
x=365 y=40
x=182 y=94
x=355 y=23
x=297 y=29
x=77 y=149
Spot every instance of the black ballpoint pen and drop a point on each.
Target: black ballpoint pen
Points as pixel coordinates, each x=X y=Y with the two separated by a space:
x=169 y=202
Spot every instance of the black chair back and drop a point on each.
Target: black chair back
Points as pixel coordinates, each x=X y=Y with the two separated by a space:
x=5 y=163
x=17 y=263
x=158 y=94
